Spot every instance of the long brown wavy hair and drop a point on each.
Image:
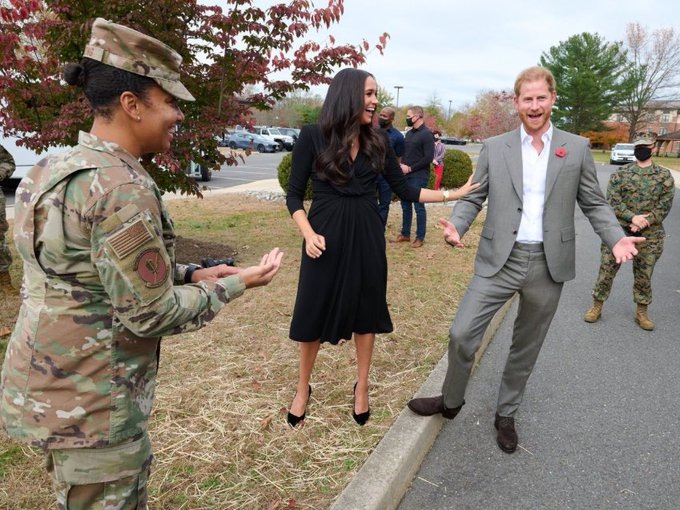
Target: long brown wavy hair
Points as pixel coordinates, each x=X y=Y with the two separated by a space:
x=340 y=122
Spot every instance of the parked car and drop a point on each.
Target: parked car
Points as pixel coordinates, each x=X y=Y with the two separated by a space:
x=275 y=135
x=221 y=140
x=452 y=140
x=246 y=140
x=622 y=153
x=292 y=132
x=199 y=172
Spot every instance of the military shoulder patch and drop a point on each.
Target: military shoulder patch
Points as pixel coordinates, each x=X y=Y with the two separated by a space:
x=130 y=238
x=151 y=267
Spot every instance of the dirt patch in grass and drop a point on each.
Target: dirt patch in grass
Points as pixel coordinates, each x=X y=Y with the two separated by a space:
x=189 y=250
x=218 y=426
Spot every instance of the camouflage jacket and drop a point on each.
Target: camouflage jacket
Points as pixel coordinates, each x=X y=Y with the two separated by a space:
x=97 y=246
x=7 y=165
x=634 y=190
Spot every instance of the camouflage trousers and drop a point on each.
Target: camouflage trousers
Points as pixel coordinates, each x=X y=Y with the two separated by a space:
x=5 y=255
x=643 y=266
x=110 y=478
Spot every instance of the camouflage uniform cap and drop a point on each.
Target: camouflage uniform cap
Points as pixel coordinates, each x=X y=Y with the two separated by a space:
x=644 y=139
x=119 y=46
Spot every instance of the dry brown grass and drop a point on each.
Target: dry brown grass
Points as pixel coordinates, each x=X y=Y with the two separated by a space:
x=218 y=426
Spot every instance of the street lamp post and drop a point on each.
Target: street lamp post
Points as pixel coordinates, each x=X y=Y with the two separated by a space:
x=448 y=116
x=398 y=87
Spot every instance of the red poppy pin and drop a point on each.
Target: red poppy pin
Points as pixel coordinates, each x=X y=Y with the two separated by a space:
x=560 y=152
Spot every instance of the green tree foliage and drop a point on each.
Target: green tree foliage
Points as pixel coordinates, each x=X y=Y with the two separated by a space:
x=433 y=107
x=590 y=80
x=384 y=97
x=309 y=113
x=457 y=169
x=228 y=50
x=294 y=110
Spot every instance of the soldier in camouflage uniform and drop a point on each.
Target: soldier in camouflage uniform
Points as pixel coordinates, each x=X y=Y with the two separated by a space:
x=7 y=168
x=100 y=281
x=641 y=195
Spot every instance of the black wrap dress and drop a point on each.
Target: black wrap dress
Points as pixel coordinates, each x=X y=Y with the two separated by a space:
x=345 y=289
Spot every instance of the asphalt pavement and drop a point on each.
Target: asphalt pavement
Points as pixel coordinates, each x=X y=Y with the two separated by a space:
x=598 y=427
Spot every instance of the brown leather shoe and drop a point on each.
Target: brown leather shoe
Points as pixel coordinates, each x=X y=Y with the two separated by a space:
x=507 y=436
x=401 y=239
x=418 y=243
x=428 y=406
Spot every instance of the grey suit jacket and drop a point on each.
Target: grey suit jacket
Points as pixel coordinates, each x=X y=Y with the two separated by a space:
x=570 y=179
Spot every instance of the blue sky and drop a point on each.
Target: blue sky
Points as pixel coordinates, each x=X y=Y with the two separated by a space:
x=456 y=49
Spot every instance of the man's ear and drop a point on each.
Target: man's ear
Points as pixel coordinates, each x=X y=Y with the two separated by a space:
x=129 y=102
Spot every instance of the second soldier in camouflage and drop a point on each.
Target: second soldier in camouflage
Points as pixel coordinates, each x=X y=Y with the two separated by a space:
x=641 y=195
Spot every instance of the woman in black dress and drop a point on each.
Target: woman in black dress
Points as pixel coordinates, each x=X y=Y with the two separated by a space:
x=343 y=272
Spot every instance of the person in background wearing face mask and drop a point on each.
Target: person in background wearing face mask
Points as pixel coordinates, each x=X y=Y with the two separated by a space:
x=416 y=166
x=438 y=161
x=385 y=121
x=641 y=195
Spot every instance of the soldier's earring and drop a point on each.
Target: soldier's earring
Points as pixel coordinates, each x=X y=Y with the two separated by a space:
x=138 y=118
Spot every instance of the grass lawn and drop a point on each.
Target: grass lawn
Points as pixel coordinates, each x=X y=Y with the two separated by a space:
x=218 y=426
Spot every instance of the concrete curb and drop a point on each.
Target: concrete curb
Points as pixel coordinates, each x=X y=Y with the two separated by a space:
x=265 y=185
x=385 y=477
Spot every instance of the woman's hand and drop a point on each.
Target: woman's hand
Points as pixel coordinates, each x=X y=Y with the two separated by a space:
x=465 y=189
x=315 y=245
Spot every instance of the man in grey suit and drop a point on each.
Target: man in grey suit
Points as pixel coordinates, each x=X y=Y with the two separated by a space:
x=532 y=177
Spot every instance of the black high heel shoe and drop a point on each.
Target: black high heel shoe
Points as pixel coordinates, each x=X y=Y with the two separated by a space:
x=360 y=418
x=294 y=420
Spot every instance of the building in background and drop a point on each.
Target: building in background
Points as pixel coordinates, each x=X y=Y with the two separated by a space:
x=661 y=118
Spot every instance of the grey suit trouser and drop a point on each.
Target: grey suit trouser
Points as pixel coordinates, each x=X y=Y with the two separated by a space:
x=525 y=272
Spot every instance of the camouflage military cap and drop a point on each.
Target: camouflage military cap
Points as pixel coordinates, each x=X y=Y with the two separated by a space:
x=644 y=139
x=127 y=49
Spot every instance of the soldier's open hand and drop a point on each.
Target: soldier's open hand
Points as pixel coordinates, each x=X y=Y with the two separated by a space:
x=262 y=274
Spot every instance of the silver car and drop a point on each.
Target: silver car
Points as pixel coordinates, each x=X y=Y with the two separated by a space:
x=246 y=140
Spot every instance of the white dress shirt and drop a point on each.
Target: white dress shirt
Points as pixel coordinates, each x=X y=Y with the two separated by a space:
x=534 y=170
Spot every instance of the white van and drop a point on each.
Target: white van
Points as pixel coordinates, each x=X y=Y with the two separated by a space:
x=24 y=158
